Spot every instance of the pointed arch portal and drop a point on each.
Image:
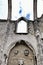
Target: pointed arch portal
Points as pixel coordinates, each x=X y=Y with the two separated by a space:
x=22 y=54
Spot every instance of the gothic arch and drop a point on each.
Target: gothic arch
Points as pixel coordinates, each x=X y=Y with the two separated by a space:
x=15 y=43
x=18 y=43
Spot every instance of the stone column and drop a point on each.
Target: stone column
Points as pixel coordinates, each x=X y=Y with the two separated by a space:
x=7 y=31
x=38 y=38
x=37 y=34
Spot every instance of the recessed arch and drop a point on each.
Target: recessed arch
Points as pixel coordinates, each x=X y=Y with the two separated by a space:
x=14 y=44
x=24 y=43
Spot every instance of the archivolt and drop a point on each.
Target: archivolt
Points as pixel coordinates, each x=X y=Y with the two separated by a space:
x=23 y=42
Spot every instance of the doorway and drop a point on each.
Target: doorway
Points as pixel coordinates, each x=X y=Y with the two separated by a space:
x=21 y=54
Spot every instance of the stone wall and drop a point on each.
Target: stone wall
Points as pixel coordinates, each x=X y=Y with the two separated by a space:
x=8 y=39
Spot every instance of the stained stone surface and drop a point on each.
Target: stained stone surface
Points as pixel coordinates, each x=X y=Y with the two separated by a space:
x=8 y=38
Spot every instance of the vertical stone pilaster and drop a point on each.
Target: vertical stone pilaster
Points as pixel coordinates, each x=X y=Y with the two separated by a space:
x=38 y=38
x=7 y=31
x=37 y=33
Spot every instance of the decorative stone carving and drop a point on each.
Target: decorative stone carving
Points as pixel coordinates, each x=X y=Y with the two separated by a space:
x=31 y=29
x=5 y=56
x=26 y=52
x=20 y=62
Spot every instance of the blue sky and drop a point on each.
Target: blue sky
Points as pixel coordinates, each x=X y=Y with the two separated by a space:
x=21 y=8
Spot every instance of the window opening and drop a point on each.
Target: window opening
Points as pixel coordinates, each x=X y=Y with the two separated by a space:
x=39 y=8
x=22 y=27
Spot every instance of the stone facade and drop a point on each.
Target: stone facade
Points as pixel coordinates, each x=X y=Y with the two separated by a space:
x=34 y=38
x=8 y=39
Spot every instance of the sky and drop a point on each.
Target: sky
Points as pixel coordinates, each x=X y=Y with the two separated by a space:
x=20 y=9
x=39 y=8
x=3 y=9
